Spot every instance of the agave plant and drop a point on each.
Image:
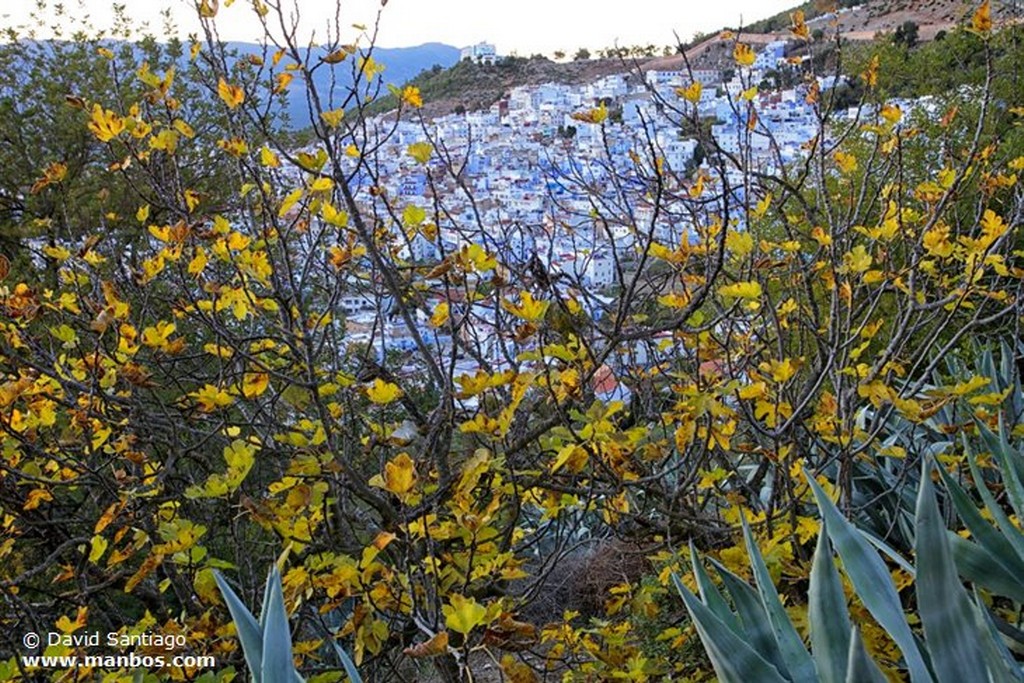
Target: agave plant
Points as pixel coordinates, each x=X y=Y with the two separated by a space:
x=758 y=641
x=267 y=641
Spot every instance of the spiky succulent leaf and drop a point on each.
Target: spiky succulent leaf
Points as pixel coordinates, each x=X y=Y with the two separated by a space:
x=860 y=668
x=827 y=613
x=732 y=658
x=249 y=632
x=794 y=653
x=945 y=609
x=710 y=594
x=872 y=582
x=277 y=662
x=756 y=627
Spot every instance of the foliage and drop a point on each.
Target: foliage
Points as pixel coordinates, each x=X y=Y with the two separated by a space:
x=266 y=642
x=960 y=640
x=235 y=345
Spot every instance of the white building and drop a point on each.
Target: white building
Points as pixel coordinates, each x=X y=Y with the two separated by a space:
x=481 y=53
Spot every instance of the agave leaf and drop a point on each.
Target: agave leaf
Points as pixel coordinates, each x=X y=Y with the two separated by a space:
x=860 y=668
x=249 y=632
x=994 y=543
x=980 y=567
x=872 y=582
x=710 y=594
x=828 y=615
x=1010 y=463
x=1011 y=533
x=1009 y=372
x=733 y=659
x=1001 y=665
x=798 y=661
x=755 y=622
x=277 y=662
x=889 y=551
x=941 y=600
x=346 y=661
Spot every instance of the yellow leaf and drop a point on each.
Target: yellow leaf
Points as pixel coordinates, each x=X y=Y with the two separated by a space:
x=97 y=547
x=321 y=185
x=158 y=337
x=413 y=215
x=870 y=75
x=57 y=253
x=268 y=158
x=35 y=497
x=982 y=19
x=892 y=113
x=211 y=398
x=799 y=27
x=289 y=201
x=281 y=81
x=857 y=260
x=198 y=262
x=382 y=392
x=333 y=118
x=847 y=163
x=399 y=475
x=338 y=219
x=232 y=95
x=462 y=615
x=743 y=54
x=411 y=96
x=166 y=140
x=254 y=384
x=739 y=243
x=420 y=151
x=742 y=290
x=105 y=124
x=936 y=241
x=528 y=308
x=691 y=93
x=749 y=94
x=437 y=645
x=184 y=128
x=596 y=115
x=440 y=315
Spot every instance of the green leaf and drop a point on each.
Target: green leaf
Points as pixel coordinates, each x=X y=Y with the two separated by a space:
x=941 y=600
x=996 y=545
x=249 y=632
x=1012 y=534
x=860 y=668
x=734 y=661
x=710 y=595
x=872 y=582
x=794 y=653
x=347 y=663
x=828 y=615
x=755 y=622
x=1011 y=464
x=277 y=662
x=1001 y=665
x=978 y=566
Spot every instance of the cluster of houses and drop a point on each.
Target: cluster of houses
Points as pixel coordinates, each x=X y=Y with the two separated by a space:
x=535 y=180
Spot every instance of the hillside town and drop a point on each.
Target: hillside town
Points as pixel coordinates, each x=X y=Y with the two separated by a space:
x=523 y=176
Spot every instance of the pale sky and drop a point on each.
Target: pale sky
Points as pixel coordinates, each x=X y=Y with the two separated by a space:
x=523 y=26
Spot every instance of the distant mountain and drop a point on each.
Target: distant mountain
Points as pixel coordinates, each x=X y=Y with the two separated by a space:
x=402 y=64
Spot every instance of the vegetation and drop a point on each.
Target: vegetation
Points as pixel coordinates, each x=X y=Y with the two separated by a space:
x=804 y=356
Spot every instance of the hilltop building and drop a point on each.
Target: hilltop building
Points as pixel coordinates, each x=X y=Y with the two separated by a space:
x=481 y=53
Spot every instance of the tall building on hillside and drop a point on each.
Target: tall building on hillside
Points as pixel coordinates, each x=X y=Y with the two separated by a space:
x=481 y=53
